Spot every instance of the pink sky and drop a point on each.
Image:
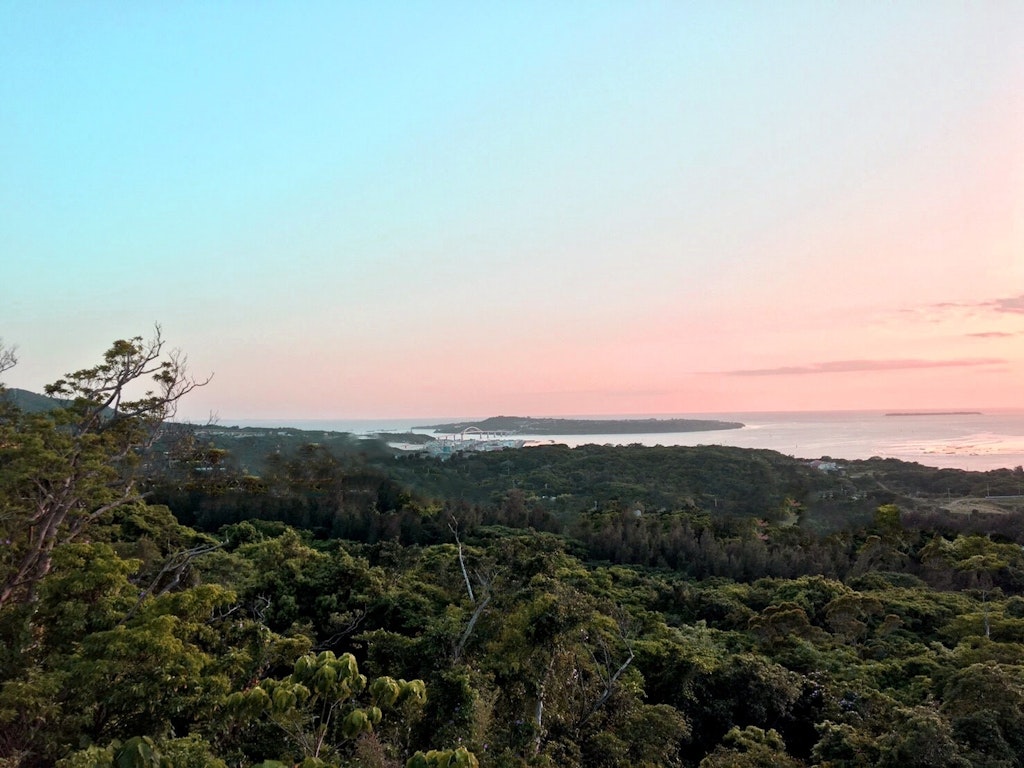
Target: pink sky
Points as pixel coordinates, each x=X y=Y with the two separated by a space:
x=675 y=208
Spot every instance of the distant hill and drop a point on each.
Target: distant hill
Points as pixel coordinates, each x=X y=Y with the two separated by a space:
x=30 y=402
x=524 y=425
x=936 y=413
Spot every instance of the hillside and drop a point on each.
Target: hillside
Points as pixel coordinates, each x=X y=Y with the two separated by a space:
x=336 y=605
x=30 y=402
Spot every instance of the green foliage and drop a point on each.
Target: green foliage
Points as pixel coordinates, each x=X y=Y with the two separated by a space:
x=65 y=469
x=448 y=758
x=750 y=747
x=315 y=705
x=144 y=752
x=985 y=704
x=923 y=738
x=887 y=520
x=842 y=744
x=616 y=607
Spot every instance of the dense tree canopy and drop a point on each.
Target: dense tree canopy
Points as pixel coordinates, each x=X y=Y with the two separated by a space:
x=166 y=606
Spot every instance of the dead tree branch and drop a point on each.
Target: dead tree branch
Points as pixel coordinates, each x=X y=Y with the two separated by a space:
x=175 y=567
x=453 y=526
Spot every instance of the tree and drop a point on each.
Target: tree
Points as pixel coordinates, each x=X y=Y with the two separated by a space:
x=7 y=358
x=144 y=752
x=923 y=739
x=887 y=520
x=92 y=673
x=750 y=747
x=985 y=703
x=447 y=758
x=63 y=469
x=314 y=705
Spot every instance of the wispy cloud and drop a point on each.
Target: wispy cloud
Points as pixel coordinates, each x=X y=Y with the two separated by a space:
x=991 y=335
x=990 y=311
x=1010 y=304
x=1014 y=305
x=852 y=366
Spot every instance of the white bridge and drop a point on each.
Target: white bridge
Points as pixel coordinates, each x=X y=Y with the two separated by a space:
x=473 y=439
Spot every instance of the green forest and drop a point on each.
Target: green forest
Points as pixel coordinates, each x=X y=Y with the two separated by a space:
x=176 y=595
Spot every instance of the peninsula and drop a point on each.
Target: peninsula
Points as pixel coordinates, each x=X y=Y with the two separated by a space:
x=525 y=425
x=936 y=413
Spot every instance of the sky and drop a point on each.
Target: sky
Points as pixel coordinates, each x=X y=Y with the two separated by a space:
x=411 y=209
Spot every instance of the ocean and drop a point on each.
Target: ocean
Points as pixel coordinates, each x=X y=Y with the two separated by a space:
x=977 y=441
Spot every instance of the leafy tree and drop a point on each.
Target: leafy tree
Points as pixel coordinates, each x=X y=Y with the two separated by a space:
x=64 y=469
x=144 y=752
x=986 y=704
x=843 y=745
x=750 y=747
x=923 y=739
x=315 y=705
x=887 y=520
x=846 y=613
x=448 y=758
x=98 y=672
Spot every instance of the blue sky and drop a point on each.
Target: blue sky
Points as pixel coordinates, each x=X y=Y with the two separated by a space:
x=387 y=209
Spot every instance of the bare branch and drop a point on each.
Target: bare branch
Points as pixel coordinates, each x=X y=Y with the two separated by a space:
x=86 y=461
x=260 y=606
x=604 y=669
x=358 y=616
x=610 y=685
x=222 y=614
x=462 y=563
x=469 y=627
x=175 y=567
x=100 y=395
x=8 y=358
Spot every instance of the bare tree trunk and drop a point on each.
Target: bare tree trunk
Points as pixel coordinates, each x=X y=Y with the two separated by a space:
x=462 y=563
x=538 y=711
x=610 y=686
x=469 y=627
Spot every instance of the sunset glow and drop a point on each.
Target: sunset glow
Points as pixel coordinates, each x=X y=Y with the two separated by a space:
x=351 y=210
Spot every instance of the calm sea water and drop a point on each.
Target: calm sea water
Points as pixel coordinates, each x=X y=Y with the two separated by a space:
x=991 y=440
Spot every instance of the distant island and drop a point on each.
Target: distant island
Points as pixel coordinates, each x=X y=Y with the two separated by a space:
x=936 y=413
x=524 y=425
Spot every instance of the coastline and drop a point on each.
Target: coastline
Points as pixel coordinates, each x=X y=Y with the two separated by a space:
x=936 y=413
x=526 y=425
x=992 y=440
